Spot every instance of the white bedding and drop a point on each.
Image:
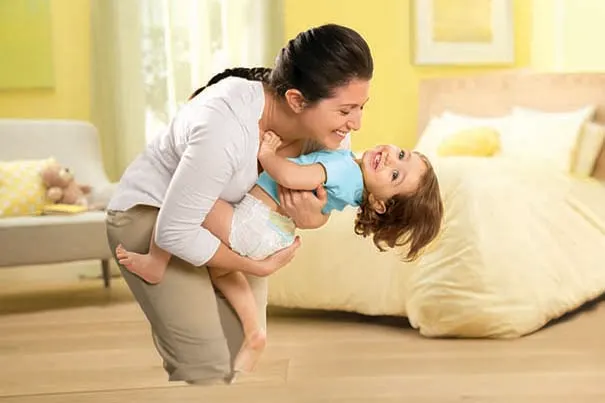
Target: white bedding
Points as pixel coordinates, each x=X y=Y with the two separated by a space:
x=521 y=246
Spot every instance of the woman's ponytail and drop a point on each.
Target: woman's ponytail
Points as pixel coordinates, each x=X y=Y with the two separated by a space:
x=253 y=74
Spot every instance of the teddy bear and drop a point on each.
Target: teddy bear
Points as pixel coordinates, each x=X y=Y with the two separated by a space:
x=62 y=187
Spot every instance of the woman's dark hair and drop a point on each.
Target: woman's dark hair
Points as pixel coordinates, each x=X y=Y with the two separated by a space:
x=315 y=62
x=413 y=219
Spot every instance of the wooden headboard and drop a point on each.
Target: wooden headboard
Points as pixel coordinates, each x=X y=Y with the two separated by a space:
x=495 y=93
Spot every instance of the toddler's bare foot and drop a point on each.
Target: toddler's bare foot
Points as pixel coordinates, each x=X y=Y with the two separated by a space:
x=144 y=266
x=250 y=352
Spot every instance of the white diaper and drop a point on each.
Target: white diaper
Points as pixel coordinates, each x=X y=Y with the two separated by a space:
x=257 y=231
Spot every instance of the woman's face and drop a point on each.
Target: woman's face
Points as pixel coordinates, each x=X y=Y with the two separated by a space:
x=329 y=120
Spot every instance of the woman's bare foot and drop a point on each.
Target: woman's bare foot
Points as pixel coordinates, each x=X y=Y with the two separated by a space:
x=250 y=352
x=146 y=266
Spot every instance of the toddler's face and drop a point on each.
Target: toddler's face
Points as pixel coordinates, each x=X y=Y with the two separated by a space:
x=389 y=170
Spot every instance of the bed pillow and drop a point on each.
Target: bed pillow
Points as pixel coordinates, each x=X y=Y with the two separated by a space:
x=587 y=149
x=440 y=128
x=547 y=137
x=473 y=142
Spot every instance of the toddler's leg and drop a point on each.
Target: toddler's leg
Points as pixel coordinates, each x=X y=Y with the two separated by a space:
x=150 y=266
x=218 y=220
x=236 y=289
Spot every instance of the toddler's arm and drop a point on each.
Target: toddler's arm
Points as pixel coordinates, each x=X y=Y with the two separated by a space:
x=285 y=172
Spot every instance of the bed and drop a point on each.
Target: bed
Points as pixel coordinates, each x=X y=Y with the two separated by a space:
x=523 y=240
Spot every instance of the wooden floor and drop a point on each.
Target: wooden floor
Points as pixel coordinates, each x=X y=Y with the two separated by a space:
x=65 y=339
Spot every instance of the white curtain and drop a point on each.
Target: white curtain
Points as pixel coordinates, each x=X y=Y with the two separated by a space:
x=563 y=35
x=149 y=55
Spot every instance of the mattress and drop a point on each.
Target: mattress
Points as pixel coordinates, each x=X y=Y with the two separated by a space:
x=521 y=245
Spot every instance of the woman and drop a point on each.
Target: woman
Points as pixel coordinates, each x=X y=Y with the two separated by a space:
x=314 y=95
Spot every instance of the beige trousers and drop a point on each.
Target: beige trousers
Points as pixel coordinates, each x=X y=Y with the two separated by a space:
x=194 y=329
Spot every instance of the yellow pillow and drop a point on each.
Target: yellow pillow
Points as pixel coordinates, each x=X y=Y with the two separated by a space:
x=22 y=191
x=475 y=142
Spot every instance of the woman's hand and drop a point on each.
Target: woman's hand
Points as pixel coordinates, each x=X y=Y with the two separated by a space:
x=304 y=207
x=277 y=260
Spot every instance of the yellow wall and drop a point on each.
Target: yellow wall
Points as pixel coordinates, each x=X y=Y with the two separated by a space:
x=70 y=98
x=544 y=55
x=391 y=114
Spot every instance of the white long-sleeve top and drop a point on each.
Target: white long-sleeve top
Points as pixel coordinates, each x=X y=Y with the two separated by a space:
x=208 y=151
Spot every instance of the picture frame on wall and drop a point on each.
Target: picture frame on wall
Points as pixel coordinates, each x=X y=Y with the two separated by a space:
x=462 y=32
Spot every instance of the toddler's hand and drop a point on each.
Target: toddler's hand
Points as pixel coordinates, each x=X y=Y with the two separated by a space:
x=269 y=145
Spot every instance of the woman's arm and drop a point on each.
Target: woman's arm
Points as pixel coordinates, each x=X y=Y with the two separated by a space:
x=285 y=172
x=225 y=259
x=205 y=168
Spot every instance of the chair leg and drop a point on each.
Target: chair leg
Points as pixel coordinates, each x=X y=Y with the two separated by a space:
x=106 y=273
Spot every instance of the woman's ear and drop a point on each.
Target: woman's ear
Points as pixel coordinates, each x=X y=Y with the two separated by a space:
x=377 y=205
x=295 y=100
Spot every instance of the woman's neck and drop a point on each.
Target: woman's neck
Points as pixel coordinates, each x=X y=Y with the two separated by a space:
x=280 y=119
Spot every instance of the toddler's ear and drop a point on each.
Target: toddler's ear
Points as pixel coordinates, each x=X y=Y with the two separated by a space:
x=377 y=205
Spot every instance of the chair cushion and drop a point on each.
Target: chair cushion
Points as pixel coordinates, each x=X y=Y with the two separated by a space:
x=51 y=239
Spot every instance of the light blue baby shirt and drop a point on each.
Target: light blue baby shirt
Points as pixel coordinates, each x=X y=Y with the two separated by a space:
x=344 y=180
